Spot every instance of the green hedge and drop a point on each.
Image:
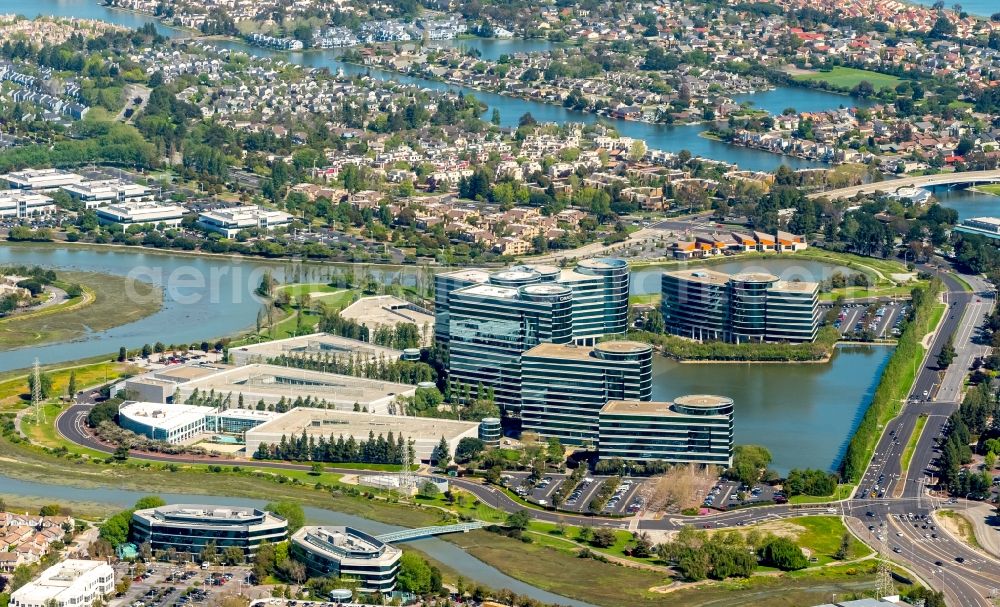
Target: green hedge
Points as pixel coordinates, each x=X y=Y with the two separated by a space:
x=685 y=349
x=894 y=386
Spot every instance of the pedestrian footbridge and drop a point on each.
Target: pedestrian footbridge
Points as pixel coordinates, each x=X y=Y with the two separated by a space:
x=416 y=534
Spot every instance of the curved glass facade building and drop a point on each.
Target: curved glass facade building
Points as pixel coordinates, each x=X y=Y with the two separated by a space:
x=564 y=387
x=705 y=305
x=695 y=429
x=748 y=306
x=491 y=326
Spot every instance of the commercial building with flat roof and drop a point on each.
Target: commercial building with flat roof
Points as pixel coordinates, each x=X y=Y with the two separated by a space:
x=189 y=528
x=160 y=385
x=425 y=432
x=981 y=226
x=106 y=191
x=273 y=384
x=41 y=179
x=22 y=204
x=140 y=212
x=696 y=429
x=169 y=423
x=69 y=583
x=706 y=305
x=564 y=386
x=230 y=222
x=389 y=311
x=346 y=552
x=316 y=345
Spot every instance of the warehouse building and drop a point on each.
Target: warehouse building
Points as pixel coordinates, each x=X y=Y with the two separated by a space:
x=346 y=552
x=189 y=528
x=696 y=429
x=160 y=385
x=425 y=432
x=70 y=583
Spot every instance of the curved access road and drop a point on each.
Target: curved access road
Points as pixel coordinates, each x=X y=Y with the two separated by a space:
x=921 y=181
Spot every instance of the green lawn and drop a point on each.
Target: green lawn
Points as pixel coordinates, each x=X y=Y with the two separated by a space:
x=848 y=77
x=819 y=536
x=842 y=492
x=645 y=299
x=911 y=444
x=989 y=188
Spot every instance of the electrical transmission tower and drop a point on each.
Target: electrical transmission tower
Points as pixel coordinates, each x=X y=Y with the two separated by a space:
x=36 y=392
x=883 y=576
x=406 y=474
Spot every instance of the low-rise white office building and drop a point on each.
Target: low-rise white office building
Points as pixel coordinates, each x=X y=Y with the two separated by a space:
x=190 y=527
x=140 y=212
x=41 y=179
x=21 y=204
x=170 y=423
x=70 y=583
x=107 y=191
x=232 y=221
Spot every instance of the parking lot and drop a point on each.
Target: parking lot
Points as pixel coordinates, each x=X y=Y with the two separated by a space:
x=726 y=494
x=168 y=585
x=625 y=501
x=871 y=321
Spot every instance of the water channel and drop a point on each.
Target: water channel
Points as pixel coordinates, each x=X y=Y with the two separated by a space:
x=442 y=551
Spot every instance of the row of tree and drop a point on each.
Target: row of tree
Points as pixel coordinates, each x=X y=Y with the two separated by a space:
x=375 y=450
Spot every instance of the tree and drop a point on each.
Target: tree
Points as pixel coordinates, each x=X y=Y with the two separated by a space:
x=115 y=529
x=233 y=555
x=122 y=354
x=782 y=553
x=44 y=384
x=71 y=385
x=429 y=490
x=468 y=448
x=121 y=453
x=518 y=520
x=414 y=574
x=49 y=510
x=441 y=455
x=603 y=537
x=749 y=461
x=291 y=512
x=947 y=354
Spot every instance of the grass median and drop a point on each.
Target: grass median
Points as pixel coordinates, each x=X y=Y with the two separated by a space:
x=911 y=443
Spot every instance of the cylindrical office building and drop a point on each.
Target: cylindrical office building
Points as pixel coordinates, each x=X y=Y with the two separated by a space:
x=748 y=305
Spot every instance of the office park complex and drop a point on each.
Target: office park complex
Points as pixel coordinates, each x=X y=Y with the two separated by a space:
x=677 y=303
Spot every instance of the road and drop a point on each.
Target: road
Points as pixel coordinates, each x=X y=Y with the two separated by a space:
x=921 y=181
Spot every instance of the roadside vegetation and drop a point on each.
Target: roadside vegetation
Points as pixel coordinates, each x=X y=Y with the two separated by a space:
x=897 y=378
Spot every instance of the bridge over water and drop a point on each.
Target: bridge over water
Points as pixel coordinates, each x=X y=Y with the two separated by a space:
x=921 y=181
x=424 y=532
